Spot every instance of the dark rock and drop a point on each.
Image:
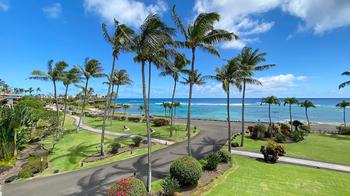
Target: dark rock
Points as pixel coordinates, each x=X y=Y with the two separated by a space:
x=11 y=179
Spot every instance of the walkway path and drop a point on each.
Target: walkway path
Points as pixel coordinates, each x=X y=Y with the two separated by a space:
x=114 y=134
x=296 y=161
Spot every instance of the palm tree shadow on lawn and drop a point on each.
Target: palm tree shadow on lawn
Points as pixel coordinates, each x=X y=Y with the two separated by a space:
x=76 y=152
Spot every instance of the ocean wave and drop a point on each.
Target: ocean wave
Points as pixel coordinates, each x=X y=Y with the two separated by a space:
x=210 y=104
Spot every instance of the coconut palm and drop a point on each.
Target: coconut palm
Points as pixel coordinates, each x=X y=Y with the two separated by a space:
x=141 y=109
x=250 y=61
x=69 y=77
x=120 y=41
x=30 y=90
x=53 y=74
x=272 y=100
x=227 y=75
x=290 y=101
x=307 y=104
x=200 y=34
x=346 y=83
x=178 y=67
x=38 y=90
x=153 y=37
x=91 y=69
x=164 y=105
x=125 y=107
x=344 y=104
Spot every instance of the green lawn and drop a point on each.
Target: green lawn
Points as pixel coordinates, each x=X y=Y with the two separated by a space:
x=139 y=128
x=252 y=177
x=74 y=147
x=329 y=148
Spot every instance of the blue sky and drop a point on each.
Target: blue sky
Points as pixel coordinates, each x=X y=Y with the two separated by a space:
x=307 y=39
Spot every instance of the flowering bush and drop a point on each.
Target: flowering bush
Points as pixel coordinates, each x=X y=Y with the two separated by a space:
x=272 y=151
x=128 y=186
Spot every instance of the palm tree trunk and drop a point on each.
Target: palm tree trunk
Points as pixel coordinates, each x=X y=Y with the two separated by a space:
x=290 y=117
x=15 y=143
x=172 y=109
x=270 y=124
x=307 y=117
x=84 y=103
x=57 y=112
x=243 y=108
x=188 y=125
x=110 y=110
x=228 y=118
x=116 y=104
x=65 y=105
x=344 y=117
x=149 y=176
x=108 y=99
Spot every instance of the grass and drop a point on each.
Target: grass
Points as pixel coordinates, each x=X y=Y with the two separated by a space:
x=329 y=148
x=252 y=177
x=139 y=128
x=157 y=185
x=74 y=147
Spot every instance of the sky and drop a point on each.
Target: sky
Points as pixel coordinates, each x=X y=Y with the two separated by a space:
x=308 y=40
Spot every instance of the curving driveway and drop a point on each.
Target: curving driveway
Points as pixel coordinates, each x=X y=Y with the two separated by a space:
x=95 y=181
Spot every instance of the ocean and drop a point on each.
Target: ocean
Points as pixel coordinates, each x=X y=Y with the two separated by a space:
x=215 y=109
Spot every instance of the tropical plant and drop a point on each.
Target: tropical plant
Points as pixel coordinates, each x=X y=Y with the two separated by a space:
x=250 y=61
x=128 y=186
x=91 y=69
x=344 y=104
x=53 y=74
x=141 y=109
x=170 y=186
x=272 y=100
x=38 y=90
x=307 y=104
x=200 y=34
x=125 y=107
x=290 y=101
x=120 y=41
x=69 y=77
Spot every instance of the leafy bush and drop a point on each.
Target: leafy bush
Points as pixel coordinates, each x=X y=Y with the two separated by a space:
x=213 y=159
x=234 y=144
x=297 y=135
x=272 y=151
x=343 y=130
x=305 y=128
x=258 y=131
x=128 y=186
x=186 y=170
x=31 y=102
x=160 y=122
x=170 y=186
x=280 y=138
x=224 y=155
x=134 y=118
x=115 y=147
x=137 y=140
x=25 y=172
x=203 y=163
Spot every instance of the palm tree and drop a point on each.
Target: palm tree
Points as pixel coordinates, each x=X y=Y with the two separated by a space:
x=91 y=69
x=120 y=41
x=38 y=90
x=346 y=83
x=125 y=107
x=178 y=67
x=272 y=100
x=69 y=77
x=153 y=37
x=200 y=34
x=290 y=101
x=344 y=104
x=141 y=109
x=53 y=74
x=250 y=61
x=307 y=104
x=227 y=75
x=164 y=105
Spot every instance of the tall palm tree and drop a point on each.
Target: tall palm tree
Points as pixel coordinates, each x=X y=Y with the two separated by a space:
x=154 y=36
x=37 y=90
x=120 y=41
x=290 y=101
x=346 y=83
x=250 y=61
x=91 y=69
x=272 y=100
x=69 y=77
x=195 y=77
x=200 y=34
x=344 y=104
x=227 y=75
x=307 y=104
x=53 y=74
x=178 y=67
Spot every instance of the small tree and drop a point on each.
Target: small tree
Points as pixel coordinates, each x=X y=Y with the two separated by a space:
x=344 y=104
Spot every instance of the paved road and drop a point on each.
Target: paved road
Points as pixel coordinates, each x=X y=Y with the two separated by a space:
x=95 y=181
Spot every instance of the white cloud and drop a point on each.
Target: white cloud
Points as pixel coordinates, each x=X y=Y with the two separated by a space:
x=130 y=12
x=3 y=6
x=53 y=11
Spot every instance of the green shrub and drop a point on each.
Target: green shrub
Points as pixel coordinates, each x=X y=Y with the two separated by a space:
x=160 y=122
x=25 y=172
x=213 y=159
x=129 y=186
x=114 y=147
x=134 y=118
x=272 y=151
x=280 y=138
x=203 y=163
x=170 y=186
x=137 y=140
x=234 y=144
x=31 y=102
x=224 y=155
x=343 y=130
x=306 y=128
x=186 y=170
x=258 y=131
x=297 y=135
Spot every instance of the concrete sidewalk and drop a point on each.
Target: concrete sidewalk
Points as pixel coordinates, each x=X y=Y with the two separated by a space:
x=119 y=135
x=296 y=161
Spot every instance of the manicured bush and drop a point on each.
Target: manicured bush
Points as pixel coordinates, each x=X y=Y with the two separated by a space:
x=234 y=144
x=280 y=138
x=203 y=163
x=186 y=170
x=160 y=122
x=128 y=186
x=224 y=155
x=272 y=151
x=297 y=135
x=170 y=186
x=213 y=159
x=114 y=147
x=343 y=130
x=134 y=118
x=137 y=140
